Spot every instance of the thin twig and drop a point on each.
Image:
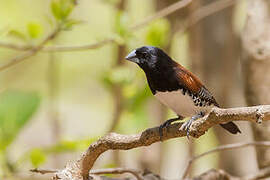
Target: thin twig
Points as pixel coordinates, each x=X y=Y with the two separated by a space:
x=44 y=171
x=31 y=52
x=162 y=13
x=262 y=173
x=78 y=48
x=15 y=46
x=58 y=48
x=223 y=148
x=136 y=173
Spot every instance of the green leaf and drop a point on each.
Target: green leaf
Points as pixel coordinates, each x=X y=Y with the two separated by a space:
x=61 y=9
x=121 y=23
x=56 y=9
x=16 y=109
x=70 y=146
x=34 y=30
x=157 y=33
x=37 y=157
x=17 y=34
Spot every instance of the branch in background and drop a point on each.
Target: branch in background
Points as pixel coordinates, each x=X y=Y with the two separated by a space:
x=204 y=12
x=31 y=52
x=59 y=48
x=263 y=173
x=134 y=172
x=223 y=148
x=80 y=169
x=162 y=13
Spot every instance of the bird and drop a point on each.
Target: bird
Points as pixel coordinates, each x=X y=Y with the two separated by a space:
x=176 y=87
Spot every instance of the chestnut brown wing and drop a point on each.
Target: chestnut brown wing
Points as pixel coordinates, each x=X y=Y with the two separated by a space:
x=193 y=85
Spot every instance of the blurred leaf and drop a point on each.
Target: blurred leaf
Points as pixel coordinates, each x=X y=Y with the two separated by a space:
x=121 y=22
x=16 y=108
x=37 y=157
x=70 y=23
x=17 y=34
x=34 y=30
x=70 y=146
x=119 y=75
x=157 y=33
x=61 y=9
x=137 y=100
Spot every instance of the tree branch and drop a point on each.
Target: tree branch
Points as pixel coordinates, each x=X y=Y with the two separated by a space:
x=162 y=13
x=223 y=148
x=204 y=12
x=134 y=172
x=31 y=52
x=80 y=169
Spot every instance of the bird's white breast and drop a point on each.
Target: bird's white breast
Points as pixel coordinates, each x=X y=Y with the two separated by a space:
x=181 y=104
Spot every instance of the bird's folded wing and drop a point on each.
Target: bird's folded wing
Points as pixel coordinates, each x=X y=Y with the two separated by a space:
x=191 y=83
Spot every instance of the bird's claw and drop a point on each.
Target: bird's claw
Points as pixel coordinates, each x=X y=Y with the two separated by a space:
x=186 y=126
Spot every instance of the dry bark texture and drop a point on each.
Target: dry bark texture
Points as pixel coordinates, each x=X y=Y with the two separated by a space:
x=256 y=66
x=80 y=169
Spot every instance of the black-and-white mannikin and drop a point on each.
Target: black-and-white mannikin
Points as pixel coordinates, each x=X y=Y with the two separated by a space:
x=176 y=87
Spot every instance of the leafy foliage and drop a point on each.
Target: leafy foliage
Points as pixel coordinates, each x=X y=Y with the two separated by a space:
x=38 y=156
x=118 y=75
x=16 y=108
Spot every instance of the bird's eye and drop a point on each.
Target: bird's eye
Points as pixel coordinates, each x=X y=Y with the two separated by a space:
x=145 y=55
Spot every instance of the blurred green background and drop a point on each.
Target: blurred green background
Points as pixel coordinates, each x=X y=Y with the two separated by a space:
x=54 y=104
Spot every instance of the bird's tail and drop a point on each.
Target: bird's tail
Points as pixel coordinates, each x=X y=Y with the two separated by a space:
x=231 y=127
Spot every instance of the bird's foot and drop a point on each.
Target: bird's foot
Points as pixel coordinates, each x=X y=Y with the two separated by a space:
x=166 y=124
x=186 y=125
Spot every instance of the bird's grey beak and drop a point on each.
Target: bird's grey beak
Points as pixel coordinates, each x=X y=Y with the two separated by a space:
x=132 y=57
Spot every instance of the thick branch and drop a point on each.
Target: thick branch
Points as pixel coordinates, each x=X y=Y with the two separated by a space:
x=115 y=141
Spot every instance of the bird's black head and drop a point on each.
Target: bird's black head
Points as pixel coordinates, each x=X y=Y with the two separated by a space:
x=147 y=57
